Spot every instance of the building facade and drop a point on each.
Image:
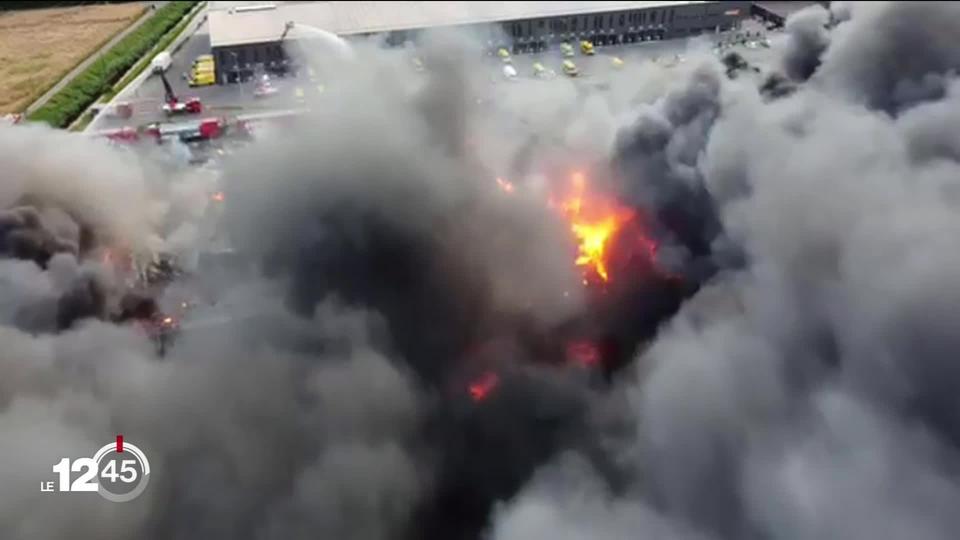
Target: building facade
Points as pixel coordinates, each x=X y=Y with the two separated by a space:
x=626 y=26
x=248 y=43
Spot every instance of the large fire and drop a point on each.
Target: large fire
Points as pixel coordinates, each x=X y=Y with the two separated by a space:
x=595 y=221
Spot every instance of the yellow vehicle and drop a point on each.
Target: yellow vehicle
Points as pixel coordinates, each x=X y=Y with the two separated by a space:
x=203 y=62
x=570 y=68
x=504 y=54
x=617 y=62
x=202 y=68
x=586 y=48
x=566 y=49
x=205 y=78
x=539 y=70
x=203 y=58
x=201 y=76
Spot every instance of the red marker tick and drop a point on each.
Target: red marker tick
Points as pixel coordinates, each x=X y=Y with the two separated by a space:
x=119 y=443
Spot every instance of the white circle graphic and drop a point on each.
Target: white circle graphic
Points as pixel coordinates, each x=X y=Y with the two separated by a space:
x=141 y=483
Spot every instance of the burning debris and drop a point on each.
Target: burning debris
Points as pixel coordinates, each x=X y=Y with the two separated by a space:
x=584 y=353
x=481 y=388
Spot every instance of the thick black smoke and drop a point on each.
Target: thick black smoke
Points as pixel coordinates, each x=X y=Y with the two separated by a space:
x=62 y=223
x=656 y=163
x=25 y=234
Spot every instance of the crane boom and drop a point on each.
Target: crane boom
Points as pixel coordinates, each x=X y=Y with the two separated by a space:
x=168 y=95
x=286 y=29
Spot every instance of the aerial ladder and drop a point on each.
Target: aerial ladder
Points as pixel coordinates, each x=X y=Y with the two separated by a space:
x=172 y=104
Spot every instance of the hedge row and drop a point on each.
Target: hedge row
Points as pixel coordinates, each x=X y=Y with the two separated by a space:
x=70 y=102
x=147 y=60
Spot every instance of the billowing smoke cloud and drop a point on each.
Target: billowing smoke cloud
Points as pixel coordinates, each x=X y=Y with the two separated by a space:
x=809 y=394
x=807 y=39
x=327 y=393
x=103 y=190
x=59 y=214
x=806 y=391
x=657 y=159
x=874 y=57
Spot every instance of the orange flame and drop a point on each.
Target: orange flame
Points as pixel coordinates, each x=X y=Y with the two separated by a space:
x=594 y=221
x=505 y=185
x=218 y=196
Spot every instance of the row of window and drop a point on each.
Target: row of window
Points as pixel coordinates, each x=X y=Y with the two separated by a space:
x=253 y=55
x=601 y=22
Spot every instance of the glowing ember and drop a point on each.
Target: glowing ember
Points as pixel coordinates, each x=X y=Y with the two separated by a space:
x=168 y=321
x=505 y=185
x=583 y=353
x=218 y=196
x=480 y=389
x=594 y=221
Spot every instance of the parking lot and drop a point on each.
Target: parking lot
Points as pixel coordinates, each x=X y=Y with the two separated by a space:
x=596 y=70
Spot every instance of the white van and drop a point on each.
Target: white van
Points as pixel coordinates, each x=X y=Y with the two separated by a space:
x=161 y=62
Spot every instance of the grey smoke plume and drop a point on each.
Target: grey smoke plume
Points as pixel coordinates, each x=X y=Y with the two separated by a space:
x=893 y=55
x=807 y=38
x=104 y=188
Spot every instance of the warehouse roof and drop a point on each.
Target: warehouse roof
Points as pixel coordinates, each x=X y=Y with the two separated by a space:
x=237 y=23
x=784 y=9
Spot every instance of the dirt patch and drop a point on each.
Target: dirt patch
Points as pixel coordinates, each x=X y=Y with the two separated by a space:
x=38 y=47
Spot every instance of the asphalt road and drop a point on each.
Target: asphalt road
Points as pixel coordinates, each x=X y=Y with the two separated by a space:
x=147 y=99
x=219 y=100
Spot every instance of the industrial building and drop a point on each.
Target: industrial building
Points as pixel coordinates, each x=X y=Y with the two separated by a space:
x=247 y=37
